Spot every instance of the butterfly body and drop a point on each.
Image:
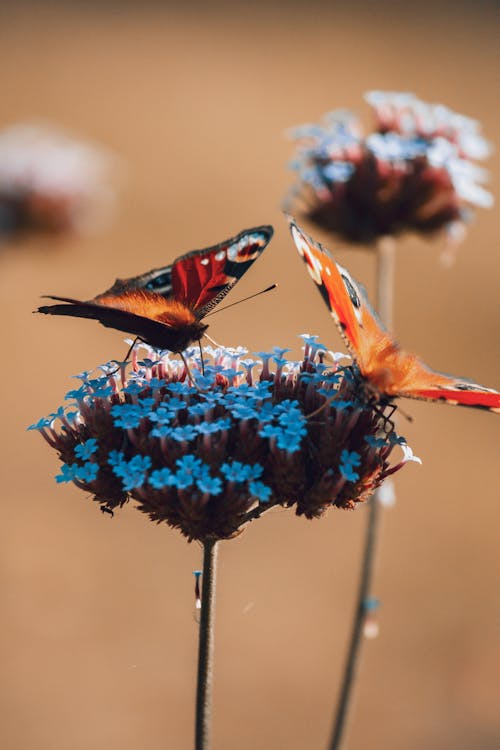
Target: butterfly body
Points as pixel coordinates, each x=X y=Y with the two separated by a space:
x=165 y=307
x=386 y=370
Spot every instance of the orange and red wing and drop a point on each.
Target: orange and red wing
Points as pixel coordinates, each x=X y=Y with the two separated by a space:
x=389 y=370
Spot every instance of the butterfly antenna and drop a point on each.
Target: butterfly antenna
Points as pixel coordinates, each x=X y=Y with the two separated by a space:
x=263 y=291
x=405 y=414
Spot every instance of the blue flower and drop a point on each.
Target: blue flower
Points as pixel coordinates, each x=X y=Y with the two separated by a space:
x=78 y=394
x=234 y=471
x=133 y=472
x=98 y=383
x=261 y=491
x=175 y=405
x=127 y=416
x=270 y=431
x=85 y=450
x=309 y=340
x=88 y=472
x=349 y=460
x=162 y=416
x=103 y=392
x=115 y=458
x=133 y=387
x=201 y=409
x=279 y=351
x=146 y=363
x=204 y=382
x=279 y=361
x=288 y=441
x=375 y=442
x=190 y=463
x=211 y=485
x=146 y=404
x=371 y=604
x=183 y=479
x=395 y=439
x=338 y=171
x=156 y=383
x=161 y=430
x=42 y=423
x=254 y=471
x=160 y=478
x=68 y=473
x=84 y=375
x=243 y=411
x=208 y=428
x=341 y=404
x=183 y=388
x=187 y=432
x=59 y=414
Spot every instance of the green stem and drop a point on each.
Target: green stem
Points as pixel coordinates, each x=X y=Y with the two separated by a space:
x=385 y=287
x=206 y=648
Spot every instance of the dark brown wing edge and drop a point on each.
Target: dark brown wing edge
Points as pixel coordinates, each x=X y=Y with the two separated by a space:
x=154 y=333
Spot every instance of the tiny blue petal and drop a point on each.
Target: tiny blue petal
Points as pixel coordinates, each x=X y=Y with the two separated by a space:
x=261 y=491
x=87 y=449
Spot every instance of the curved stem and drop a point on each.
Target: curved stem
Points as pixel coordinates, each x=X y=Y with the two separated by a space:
x=385 y=287
x=206 y=648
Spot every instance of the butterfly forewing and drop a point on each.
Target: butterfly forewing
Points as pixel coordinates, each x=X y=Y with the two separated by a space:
x=387 y=369
x=202 y=278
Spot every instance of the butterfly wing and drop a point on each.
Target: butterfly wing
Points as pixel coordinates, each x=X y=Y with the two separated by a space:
x=454 y=391
x=201 y=278
x=164 y=324
x=387 y=368
x=345 y=299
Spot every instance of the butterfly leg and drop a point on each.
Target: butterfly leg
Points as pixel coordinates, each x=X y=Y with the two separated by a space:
x=134 y=342
x=388 y=423
x=189 y=373
x=201 y=356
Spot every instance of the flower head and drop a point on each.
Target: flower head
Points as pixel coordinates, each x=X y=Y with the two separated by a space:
x=208 y=459
x=414 y=172
x=51 y=182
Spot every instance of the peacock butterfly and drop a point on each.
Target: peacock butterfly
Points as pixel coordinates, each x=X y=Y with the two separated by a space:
x=387 y=371
x=165 y=307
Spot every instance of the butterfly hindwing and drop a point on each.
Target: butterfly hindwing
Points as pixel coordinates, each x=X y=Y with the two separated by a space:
x=388 y=370
x=162 y=323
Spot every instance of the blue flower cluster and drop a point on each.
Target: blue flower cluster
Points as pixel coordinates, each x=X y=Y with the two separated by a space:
x=205 y=455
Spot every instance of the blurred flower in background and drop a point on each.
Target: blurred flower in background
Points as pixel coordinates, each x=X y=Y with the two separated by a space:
x=51 y=182
x=209 y=455
x=415 y=172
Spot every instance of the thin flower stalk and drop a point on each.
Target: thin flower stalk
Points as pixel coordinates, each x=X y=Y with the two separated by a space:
x=203 y=720
x=385 y=285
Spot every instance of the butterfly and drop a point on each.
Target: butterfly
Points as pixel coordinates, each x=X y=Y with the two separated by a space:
x=387 y=370
x=165 y=307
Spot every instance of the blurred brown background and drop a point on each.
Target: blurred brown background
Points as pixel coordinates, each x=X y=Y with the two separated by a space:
x=98 y=634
